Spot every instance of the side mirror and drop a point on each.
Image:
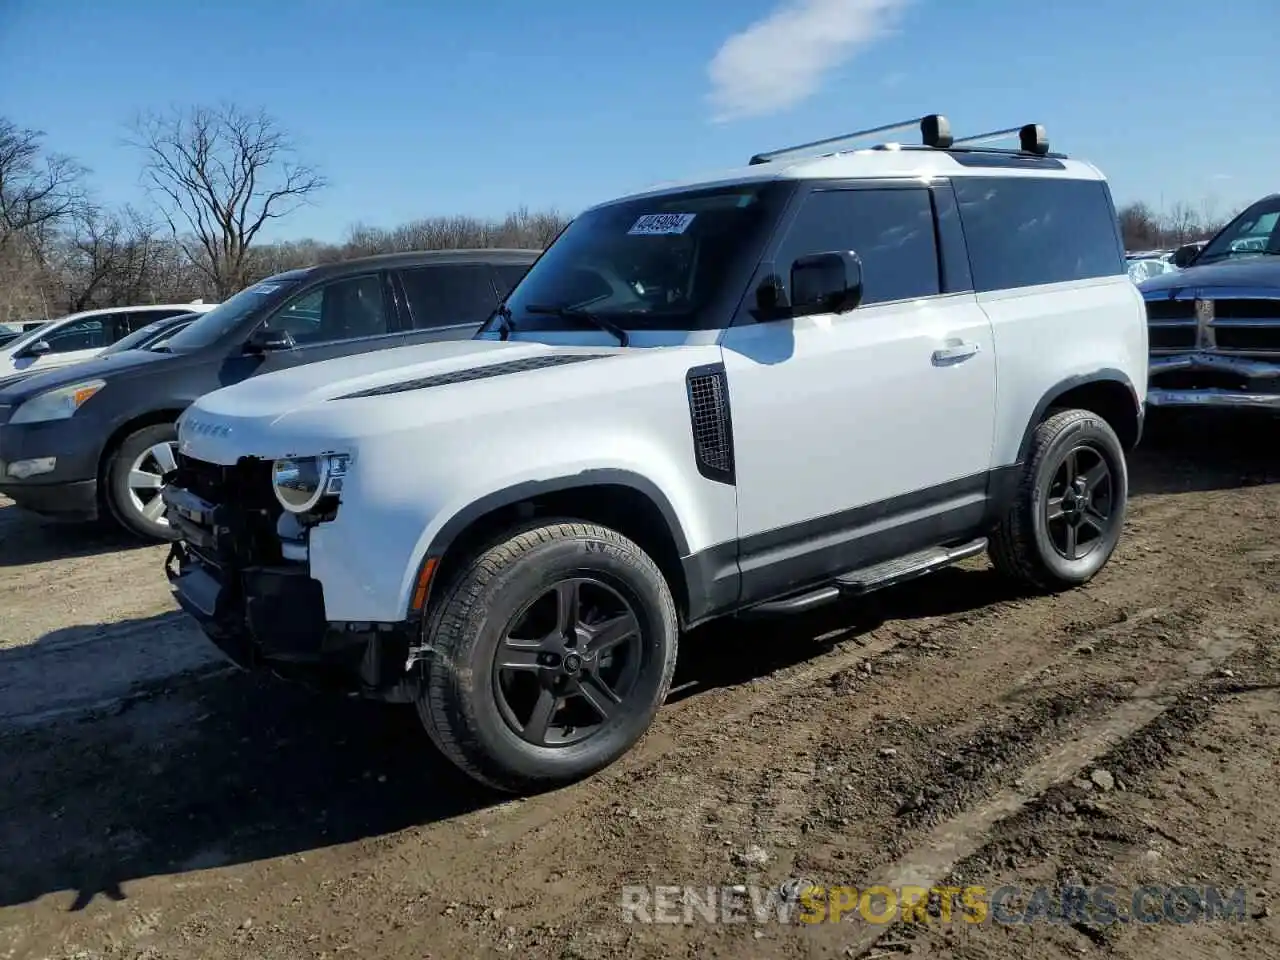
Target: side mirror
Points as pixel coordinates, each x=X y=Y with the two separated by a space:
x=826 y=283
x=266 y=341
x=37 y=349
x=1185 y=255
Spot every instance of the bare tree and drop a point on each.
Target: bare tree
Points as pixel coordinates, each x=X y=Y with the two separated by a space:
x=37 y=190
x=521 y=228
x=1143 y=229
x=219 y=174
x=110 y=258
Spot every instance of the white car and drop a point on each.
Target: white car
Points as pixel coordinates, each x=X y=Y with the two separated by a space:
x=809 y=378
x=82 y=336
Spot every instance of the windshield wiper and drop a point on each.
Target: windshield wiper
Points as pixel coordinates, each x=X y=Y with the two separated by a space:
x=576 y=313
x=505 y=323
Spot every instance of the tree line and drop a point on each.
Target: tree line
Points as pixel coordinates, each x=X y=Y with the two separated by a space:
x=215 y=177
x=1147 y=229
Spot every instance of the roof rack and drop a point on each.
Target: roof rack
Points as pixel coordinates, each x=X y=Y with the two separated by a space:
x=935 y=131
x=935 y=134
x=1031 y=138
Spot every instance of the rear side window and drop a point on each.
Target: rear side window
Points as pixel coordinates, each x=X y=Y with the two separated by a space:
x=508 y=275
x=891 y=230
x=1024 y=231
x=449 y=295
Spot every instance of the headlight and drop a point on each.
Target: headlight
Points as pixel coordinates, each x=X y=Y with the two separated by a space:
x=56 y=404
x=300 y=482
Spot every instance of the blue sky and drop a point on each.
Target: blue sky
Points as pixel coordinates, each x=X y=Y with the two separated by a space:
x=478 y=106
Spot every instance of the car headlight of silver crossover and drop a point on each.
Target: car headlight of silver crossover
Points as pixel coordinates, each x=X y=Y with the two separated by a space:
x=302 y=482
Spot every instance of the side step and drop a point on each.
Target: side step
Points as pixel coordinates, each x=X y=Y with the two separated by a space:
x=906 y=568
x=875 y=577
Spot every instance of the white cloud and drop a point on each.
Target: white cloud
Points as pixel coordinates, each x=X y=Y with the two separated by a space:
x=783 y=58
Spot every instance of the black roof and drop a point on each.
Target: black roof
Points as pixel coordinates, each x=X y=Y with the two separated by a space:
x=413 y=258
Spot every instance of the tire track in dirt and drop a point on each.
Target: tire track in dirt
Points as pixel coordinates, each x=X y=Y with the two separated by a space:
x=932 y=861
x=1188 y=816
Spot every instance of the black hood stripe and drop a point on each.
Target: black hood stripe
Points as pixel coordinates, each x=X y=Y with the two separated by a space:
x=475 y=373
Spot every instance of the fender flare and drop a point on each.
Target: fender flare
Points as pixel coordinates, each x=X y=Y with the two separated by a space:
x=452 y=528
x=1105 y=375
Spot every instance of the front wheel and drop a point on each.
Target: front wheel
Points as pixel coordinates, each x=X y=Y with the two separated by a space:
x=551 y=655
x=1069 y=509
x=134 y=477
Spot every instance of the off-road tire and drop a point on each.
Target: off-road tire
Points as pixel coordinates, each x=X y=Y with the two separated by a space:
x=116 y=482
x=456 y=700
x=1020 y=546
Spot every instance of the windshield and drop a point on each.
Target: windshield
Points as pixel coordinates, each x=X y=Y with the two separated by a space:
x=656 y=263
x=143 y=335
x=223 y=319
x=1252 y=233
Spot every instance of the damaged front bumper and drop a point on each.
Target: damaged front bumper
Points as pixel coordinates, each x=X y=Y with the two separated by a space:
x=270 y=615
x=1213 y=380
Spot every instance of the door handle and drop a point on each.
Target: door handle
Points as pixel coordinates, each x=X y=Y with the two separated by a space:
x=956 y=352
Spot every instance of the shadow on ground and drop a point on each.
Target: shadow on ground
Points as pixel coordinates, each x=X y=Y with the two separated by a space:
x=1186 y=453
x=26 y=538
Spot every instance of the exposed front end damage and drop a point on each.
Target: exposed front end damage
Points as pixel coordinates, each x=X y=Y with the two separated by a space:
x=241 y=568
x=1214 y=348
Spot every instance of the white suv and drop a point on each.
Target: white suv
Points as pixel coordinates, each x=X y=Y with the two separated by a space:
x=807 y=379
x=84 y=335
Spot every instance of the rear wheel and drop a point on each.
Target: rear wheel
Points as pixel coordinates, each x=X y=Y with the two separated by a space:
x=1069 y=510
x=551 y=655
x=134 y=477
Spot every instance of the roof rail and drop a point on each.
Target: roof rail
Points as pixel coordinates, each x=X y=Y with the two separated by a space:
x=935 y=131
x=1031 y=138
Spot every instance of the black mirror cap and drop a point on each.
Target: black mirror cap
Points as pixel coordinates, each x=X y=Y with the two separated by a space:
x=265 y=341
x=826 y=283
x=1186 y=254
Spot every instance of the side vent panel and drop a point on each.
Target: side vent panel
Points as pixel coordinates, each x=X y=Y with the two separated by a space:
x=712 y=426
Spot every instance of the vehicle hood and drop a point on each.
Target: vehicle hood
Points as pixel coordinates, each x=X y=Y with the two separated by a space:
x=402 y=395
x=276 y=394
x=1262 y=272
x=21 y=386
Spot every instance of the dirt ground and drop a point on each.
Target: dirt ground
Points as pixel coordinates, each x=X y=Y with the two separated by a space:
x=947 y=733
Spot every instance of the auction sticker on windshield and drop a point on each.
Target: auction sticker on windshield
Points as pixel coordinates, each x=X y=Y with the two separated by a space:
x=659 y=224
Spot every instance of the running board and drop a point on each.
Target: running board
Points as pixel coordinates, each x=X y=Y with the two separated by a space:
x=867 y=579
x=907 y=568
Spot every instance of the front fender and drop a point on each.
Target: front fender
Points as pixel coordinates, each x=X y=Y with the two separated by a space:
x=369 y=557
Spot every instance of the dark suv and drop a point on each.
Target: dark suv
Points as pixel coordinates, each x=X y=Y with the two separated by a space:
x=97 y=437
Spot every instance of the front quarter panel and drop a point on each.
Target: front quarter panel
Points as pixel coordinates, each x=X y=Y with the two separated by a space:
x=423 y=458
